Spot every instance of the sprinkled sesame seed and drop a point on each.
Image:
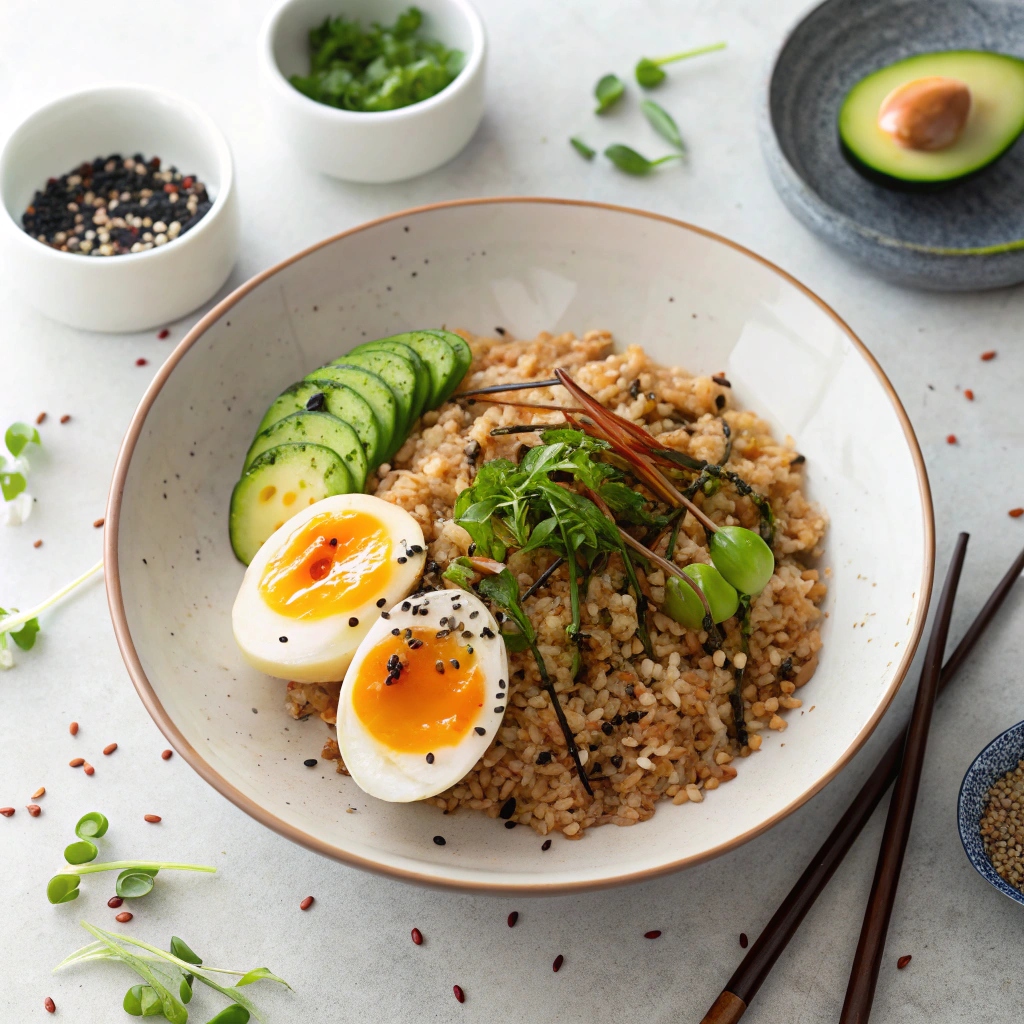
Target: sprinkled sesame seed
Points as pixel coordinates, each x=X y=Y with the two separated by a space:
x=453 y=662
x=653 y=934
x=510 y=824
x=508 y=808
x=310 y=762
x=544 y=757
x=417 y=936
x=743 y=940
x=439 y=665
x=557 y=965
x=430 y=758
x=546 y=845
x=499 y=710
x=480 y=730
x=381 y=602
x=406 y=606
x=283 y=639
x=353 y=621
x=439 y=840
x=385 y=615
x=402 y=559
x=396 y=631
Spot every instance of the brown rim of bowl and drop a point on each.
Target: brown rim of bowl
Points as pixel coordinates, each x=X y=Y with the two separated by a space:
x=254 y=810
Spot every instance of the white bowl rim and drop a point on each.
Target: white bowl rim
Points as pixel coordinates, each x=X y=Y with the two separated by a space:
x=164 y=722
x=474 y=59
x=226 y=167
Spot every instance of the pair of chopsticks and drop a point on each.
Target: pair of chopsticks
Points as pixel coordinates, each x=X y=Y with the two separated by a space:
x=903 y=761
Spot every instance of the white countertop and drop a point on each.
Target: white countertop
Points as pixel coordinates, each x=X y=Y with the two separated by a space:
x=350 y=958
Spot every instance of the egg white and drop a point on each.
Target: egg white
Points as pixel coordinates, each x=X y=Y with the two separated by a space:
x=320 y=650
x=402 y=777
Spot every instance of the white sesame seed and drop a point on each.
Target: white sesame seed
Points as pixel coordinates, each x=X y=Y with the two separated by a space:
x=739 y=659
x=718 y=658
x=644 y=762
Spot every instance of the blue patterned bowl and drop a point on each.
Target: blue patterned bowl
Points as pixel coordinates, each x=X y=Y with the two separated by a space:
x=966 y=237
x=1002 y=754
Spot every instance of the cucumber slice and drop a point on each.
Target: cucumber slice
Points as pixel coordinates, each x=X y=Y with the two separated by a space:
x=440 y=358
x=422 y=394
x=397 y=373
x=315 y=428
x=282 y=481
x=338 y=400
x=380 y=397
x=463 y=356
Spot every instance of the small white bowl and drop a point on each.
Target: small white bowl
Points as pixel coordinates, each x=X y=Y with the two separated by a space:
x=391 y=145
x=135 y=291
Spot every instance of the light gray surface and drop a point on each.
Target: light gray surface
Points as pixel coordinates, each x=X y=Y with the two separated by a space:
x=350 y=957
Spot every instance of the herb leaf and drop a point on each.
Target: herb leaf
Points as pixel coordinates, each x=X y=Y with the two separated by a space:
x=663 y=123
x=609 y=90
x=233 y=1014
x=632 y=162
x=25 y=637
x=259 y=974
x=11 y=485
x=81 y=852
x=91 y=826
x=135 y=882
x=18 y=435
x=63 y=888
x=582 y=148
x=181 y=950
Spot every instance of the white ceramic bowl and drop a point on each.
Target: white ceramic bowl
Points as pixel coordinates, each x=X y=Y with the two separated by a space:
x=691 y=299
x=372 y=147
x=138 y=290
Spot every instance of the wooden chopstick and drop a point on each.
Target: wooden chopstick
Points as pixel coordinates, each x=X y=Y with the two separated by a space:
x=860 y=993
x=743 y=986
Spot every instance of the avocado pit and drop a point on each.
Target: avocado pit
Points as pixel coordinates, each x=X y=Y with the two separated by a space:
x=927 y=114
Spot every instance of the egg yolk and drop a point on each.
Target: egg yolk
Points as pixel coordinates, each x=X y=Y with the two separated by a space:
x=334 y=563
x=415 y=692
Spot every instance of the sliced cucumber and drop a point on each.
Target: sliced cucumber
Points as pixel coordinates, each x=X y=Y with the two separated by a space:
x=397 y=373
x=422 y=396
x=380 y=397
x=440 y=358
x=338 y=400
x=281 y=482
x=315 y=428
x=463 y=357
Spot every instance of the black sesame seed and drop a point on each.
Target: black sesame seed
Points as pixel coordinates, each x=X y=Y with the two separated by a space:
x=310 y=762
x=630 y=692
x=473 y=615
x=396 y=631
x=439 y=840
x=471 y=551
x=283 y=639
x=385 y=615
x=480 y=730
x=501 y=684
x=607 y=728
x=416 y=644
x=546 y=845
x=617 y=720
x=499 y=696
x=334 y=542
x=487 y=632
x=508 y=808
x=499 y=616
x=719 y=401
x=633 y=717
x=430 y=758
x=417 y=549
x=353 y=621
x=439 y=665
x=454 y=663
x=402 y=559
x=544 y=757
x=616 y=760
x=466 y=635
x=415 y=609
x=510 y=824
x=469 y=650
x=381 y=602
x=316 y=402
x=499 y=710
x=406 y=606
x=441 y=634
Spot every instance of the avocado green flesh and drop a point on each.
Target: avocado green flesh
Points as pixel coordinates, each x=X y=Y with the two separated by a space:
x=996 y=82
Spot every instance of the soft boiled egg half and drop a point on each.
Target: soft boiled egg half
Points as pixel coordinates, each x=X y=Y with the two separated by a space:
x=423 y=697
x=318 y=584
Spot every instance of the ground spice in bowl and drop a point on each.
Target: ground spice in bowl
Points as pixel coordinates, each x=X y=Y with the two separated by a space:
x=116 y=205
x=1002 y=826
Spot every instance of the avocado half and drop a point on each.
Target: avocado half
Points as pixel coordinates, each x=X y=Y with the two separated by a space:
x=996 y=82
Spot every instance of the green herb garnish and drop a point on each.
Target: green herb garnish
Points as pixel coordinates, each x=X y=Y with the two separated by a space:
x=632 y=162
x=648 y=69
x=582 y=148
x=663 y=123
x=16 y=438
x=168 y=977
x=376 y=68
x=609 y=90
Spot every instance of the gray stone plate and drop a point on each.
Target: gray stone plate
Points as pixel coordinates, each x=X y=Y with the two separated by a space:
x=941 y=240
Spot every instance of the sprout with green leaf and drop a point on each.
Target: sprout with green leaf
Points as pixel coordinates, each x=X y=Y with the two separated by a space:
x=649 y=72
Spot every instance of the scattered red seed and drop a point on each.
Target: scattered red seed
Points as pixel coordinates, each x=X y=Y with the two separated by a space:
x=1016 y=513
x=65 y=417
x=114 y=902
x=164 y=334
x=167 y=755
x=34 y=809
x=124 y=917
x=141 y=361
x=417 y=936
x=49 y=1005
x=40 y=418
x=990 y=354
x=903 y=961
x=73 y=728
x=653 y=934
x=459 y=994
x=110 y=748
x=557 y=965
x=969 y=394
x=743 y=940
x=88 y=769
x=7 y=812
x=153 y=819
x=951 y=439
x=37 y=543
x=306 y=903
x=41 y=791
x=98 y=522
x=76 y=762
x=512 y=918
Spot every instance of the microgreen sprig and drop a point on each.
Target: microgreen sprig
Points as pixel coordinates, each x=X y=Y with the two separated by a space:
x=632 y=162
x=22 y=627
x=663 y=123
x=582 y=148
x=608 y=91
x=16 y=438
x=649 y=72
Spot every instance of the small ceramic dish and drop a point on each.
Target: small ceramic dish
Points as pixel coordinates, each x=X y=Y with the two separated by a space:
x=376 y=147
x=965 y=237
x=1003 y=754
x=135 y=291
x=520 y=266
